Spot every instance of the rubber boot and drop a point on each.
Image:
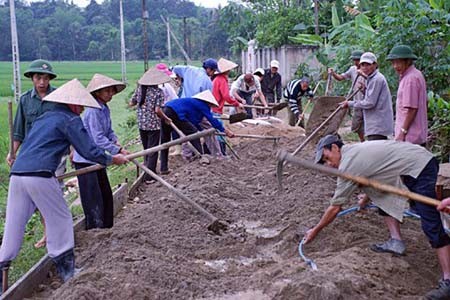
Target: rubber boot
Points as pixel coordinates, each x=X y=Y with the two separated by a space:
x=3 y=265
x=65 y=264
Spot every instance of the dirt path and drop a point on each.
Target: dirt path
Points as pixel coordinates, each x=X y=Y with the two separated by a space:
x=159 y=247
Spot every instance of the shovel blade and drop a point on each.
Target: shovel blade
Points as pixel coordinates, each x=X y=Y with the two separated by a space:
x=280 y=106
x=217 y=227
x=238 y=117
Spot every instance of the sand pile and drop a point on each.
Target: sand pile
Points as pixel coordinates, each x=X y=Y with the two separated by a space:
x=160 y=247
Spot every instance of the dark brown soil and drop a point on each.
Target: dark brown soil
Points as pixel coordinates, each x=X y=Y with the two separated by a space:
x=160 y=247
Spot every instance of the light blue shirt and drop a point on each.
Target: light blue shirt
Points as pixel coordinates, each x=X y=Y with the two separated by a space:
x=195 y=80
x=97 y=122
x=376 y=106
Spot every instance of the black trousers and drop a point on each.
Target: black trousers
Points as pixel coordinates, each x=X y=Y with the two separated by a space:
x=185 y=126
x=96 y=198
x=150 y=138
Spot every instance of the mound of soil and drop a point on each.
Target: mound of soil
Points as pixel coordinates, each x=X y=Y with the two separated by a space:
x=160 y=248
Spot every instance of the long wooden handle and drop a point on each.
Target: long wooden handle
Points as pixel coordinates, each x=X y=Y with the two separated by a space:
x=158 y=148
x=255 y=106
x=327 y=88
x=303 y=113
x=180 y=133
x=314 y=133
x=11 y=130
x=284 y=156
x=175 y=191
x=252 y=136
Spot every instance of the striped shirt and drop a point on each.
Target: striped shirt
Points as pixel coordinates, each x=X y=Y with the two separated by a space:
x=294 y=93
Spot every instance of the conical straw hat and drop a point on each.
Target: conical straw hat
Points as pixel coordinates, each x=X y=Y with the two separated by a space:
x=100 y=81
x=207 y=96
x=72 y=92
x=154 y=76
x=225 y=65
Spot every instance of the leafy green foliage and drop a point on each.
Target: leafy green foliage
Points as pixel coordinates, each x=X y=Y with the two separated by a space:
x=439 y=129
x=59 y=30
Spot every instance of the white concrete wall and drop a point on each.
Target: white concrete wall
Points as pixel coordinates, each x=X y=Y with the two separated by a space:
x=289 y=56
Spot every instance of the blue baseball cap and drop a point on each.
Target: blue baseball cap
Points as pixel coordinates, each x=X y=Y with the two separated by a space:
x=210 y=63
x=325 y=141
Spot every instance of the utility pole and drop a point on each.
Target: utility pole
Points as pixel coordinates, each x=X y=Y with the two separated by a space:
x=169 y=46
x=316 y=16
x=15 y=51
x=144 y=34
x=185 y=37
x=186 y=56
x=122 y=46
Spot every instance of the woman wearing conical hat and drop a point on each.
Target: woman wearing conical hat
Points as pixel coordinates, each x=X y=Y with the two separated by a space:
x=187 y=114
x=221 y=90
x=95 y=190
x=149 y=97
x=33 y=183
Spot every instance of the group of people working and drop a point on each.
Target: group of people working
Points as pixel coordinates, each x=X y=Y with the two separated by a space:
x=403 y=162
x=48 y=122
x=48 y=129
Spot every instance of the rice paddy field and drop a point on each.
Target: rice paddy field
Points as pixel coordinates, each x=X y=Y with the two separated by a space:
x=124 y=124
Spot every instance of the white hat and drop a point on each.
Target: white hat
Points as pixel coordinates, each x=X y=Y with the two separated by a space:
x=100 y=81
x=259 y=70
x=208 y=97
x=154 y=76
x=368 y=57
x=72 y=92
x=275 y=64
x=225 y=65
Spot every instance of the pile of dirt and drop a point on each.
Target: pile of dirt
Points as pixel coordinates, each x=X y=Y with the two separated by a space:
x=160 y=247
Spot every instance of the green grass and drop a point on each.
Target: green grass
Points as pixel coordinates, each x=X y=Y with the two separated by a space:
x=69 y=70
x=124 y=125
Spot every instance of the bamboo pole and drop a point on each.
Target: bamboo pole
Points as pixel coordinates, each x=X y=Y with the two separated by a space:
x=11 y=130
x=331 y=116
x=284 y=156
x=158 y=148
x=307 y=105
x=175 y=191
x=180 y=133
x=216 y=225
x=252 y=136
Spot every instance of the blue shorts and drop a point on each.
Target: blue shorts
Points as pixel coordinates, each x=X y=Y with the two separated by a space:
x=425 y=184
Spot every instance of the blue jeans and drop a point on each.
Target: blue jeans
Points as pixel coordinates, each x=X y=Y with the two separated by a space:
x=425 y=184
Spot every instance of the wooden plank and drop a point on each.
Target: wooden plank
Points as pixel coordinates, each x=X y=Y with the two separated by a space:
x=25 y=286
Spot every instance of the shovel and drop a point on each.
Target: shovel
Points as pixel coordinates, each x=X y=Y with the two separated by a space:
x=283 y=156
x=158 y=148
x=307 y=105
x=252 y=136
x=216 y=225
x=234 y=118
x=180 y=133
x=309 y=138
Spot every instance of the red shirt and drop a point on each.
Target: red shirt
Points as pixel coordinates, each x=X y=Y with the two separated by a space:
x=221 y=92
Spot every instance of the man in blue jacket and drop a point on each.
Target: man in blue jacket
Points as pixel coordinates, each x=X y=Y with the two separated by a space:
x=187 y=114
x=33 y=183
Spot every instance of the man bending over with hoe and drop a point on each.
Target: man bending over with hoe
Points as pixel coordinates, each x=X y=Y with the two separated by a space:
x=397 y=164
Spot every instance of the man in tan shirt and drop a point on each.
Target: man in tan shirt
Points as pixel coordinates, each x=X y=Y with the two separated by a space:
x=403 y=165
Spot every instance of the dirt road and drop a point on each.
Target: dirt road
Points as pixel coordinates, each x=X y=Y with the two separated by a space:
x=159 y=247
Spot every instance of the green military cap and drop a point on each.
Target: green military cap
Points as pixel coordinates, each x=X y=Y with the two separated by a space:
x=401 y=51
x=356 y=54
x=40 y=66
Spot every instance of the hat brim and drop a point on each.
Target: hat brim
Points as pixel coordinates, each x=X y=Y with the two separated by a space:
x=119 y=87
x=396 y=56
x=29 y=73
x=318 y=158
